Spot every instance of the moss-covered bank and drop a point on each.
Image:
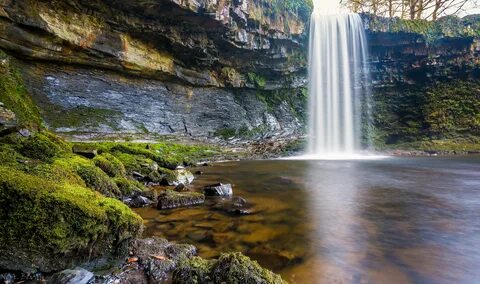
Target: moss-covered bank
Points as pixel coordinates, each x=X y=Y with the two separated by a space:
x=444 y=117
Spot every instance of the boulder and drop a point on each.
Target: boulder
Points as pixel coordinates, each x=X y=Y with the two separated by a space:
x=178 y=176
x=137 y=201
x=170 y=199
x=52 y=226
x=71 y=276
x=235 y=206
x=160 y=257
x=228 y=268
x=218 y=189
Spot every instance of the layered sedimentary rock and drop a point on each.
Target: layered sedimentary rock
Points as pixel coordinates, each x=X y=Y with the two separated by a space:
x=199 y=68
x=425 y=79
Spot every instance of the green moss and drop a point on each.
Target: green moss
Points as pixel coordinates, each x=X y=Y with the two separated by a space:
x=232 y=268
x=134 y=163
x=447 y=146
x=110 y=165
x=49 y=225
x=166 y=154
x=447 y=111
x=93 y=176
x=450 y=26
x=226 y=133
x=43 y=146
x=258 y=80
x=80 y=116
x=129 y=186
x=15 y=96
x=238 y=268
x=195 y=270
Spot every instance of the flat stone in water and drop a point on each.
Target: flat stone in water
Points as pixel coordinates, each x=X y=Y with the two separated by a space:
x=170 y=199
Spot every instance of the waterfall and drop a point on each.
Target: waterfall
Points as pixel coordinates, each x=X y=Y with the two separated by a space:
x=337 y=69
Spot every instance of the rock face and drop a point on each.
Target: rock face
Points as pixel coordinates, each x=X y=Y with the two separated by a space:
x=425 y=79
x=195 y=68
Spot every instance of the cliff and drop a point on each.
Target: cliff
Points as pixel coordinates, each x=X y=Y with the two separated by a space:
x=194 y=68
x=425 y=82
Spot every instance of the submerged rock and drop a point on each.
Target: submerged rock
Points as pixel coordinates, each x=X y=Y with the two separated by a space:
x=218 y=189
x=171 y=199
x=235 y=206
x=72 y=276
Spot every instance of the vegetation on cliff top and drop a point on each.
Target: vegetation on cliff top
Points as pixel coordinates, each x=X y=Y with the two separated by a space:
x=450 y=26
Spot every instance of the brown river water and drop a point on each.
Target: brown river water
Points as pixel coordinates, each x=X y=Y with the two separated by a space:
x=395 y=220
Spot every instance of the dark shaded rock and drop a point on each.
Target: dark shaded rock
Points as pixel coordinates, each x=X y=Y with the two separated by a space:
x=181 y=187
x=199 y=173
x=159 y=270
x=160 y=257
x=72 y=276
x=134 y=277
x=137 y=201
x=138 y=176
x=8 y=121
x=218 y=189
x=170 y=199
x=7 y=278
x=85 y=152
x=235 y=206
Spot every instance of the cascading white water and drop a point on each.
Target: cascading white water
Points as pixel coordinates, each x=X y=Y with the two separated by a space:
x=337 y=65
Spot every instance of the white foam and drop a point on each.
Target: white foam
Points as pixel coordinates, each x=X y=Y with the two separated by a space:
x=338 y=157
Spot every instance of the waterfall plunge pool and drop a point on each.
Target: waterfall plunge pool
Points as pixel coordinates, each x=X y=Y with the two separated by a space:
x=395 y=220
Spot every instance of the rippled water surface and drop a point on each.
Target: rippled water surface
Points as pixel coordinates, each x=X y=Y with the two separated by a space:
x=396 y=220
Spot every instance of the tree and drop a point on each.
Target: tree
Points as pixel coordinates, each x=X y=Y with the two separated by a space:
x=410 y=9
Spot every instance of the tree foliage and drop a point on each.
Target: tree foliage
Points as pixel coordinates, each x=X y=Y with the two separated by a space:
x=410 y=9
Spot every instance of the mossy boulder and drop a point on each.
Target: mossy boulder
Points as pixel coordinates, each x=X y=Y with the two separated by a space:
x=110 y=165
x=93 y=176
x=48 y=226
x=228 y=268
x=43 y=146
x=171 y=199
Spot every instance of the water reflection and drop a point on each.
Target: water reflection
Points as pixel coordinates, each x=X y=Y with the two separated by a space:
x=381 y=221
